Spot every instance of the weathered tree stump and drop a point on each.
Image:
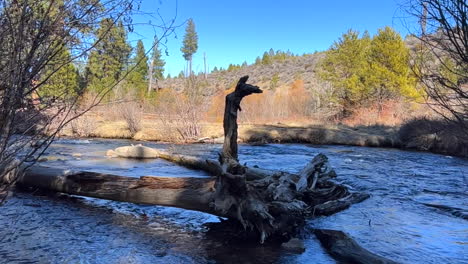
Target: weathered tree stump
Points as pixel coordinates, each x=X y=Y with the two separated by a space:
x=272 y=203
x=232 y=105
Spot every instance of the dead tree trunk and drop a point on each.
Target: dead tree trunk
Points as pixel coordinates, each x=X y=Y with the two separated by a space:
x=268 y=202
x=182 y=192
x=233 y=101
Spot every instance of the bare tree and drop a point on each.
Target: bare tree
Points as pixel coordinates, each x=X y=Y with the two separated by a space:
x=33 y=34
x=441 y=61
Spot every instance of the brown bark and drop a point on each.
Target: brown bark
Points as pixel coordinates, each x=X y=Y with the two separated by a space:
x=263 y=201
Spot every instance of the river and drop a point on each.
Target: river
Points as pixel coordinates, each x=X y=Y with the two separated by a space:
x=395 y=222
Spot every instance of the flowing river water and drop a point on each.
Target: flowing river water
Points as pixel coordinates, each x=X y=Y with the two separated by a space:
x=395 y=222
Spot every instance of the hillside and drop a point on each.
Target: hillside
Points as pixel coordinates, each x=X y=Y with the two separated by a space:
x=278 y=74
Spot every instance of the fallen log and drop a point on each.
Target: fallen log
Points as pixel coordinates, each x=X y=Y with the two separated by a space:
x=212 y=167
x=275 y=192
x=142 y=152
x=187 y=193
x=345 y=250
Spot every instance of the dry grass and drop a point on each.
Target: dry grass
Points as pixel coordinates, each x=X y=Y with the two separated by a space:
x=390 y=113
x=322 y=134
x=420 y=134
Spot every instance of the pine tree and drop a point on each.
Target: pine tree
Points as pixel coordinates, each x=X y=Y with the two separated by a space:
x=181 y=74
x=190 y=44
x=266 y=58
x=271 y=52
x=346 y=67
x=137 y=78
x=62 y=77
x=107 y=61
x=215 y=69
x=141 y=61
x=258 y=61
x=390 y=74
x=156 y=70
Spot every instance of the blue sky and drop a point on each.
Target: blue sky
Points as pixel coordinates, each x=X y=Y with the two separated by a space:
x=238 y=31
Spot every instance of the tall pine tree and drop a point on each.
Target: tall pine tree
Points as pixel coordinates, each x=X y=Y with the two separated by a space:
x=190 y=44
x=141 y=62
x=107 y=61
x=137 y=79
x=346 y=67
x=390 y=75
x=156 y=69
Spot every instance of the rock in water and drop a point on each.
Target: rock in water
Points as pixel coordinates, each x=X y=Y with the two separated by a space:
x=134 y=152
x=344 y=249
x=294 y=245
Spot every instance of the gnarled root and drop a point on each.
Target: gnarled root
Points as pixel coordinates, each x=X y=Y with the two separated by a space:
x=276 y=203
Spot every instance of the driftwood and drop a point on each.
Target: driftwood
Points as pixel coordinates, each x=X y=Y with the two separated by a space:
x=141 y=152
x=265 y=202
x=344 y=249
x=187 y=193
x=271 y=203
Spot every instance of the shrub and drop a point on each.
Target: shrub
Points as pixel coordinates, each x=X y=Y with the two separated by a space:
x=181 y=114
x=132 y=114
x=83 y=126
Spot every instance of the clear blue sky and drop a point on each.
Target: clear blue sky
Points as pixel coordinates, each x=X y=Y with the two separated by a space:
x=238 y=31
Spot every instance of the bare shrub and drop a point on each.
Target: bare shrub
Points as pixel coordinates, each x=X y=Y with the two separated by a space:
x=388 y=113
x=181 y=114
x=84 y=126
x=132 y=114
x=35 y=35
x=287 y=103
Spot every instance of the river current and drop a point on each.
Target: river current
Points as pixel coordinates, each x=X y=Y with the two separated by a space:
x=395 y=222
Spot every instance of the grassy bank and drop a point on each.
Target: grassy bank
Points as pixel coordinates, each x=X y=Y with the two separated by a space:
x=373 y=136
x=153 y=130
x=419 y=134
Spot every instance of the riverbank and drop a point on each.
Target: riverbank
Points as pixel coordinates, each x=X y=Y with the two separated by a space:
x=420 y=134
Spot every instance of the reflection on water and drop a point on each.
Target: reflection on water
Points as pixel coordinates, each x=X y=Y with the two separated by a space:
x=394 y=222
